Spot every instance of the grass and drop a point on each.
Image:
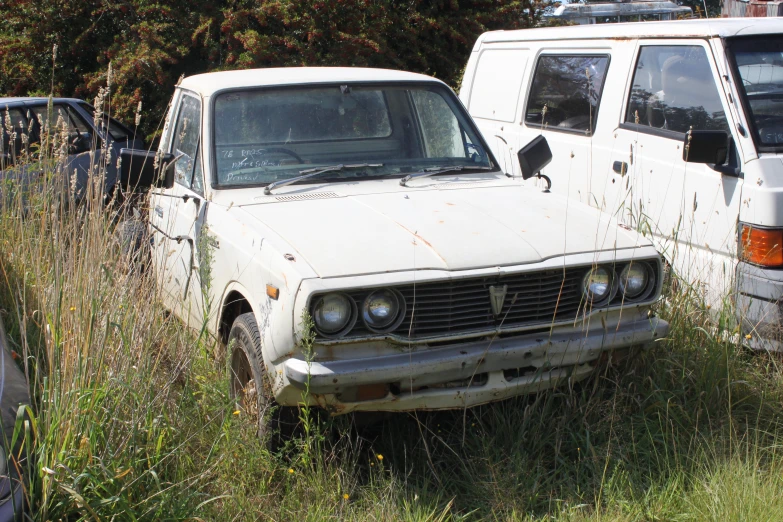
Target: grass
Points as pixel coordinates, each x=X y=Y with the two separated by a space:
x=132 y=419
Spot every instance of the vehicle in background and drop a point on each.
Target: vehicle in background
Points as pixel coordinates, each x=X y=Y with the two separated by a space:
x=367 y=200
x=751 y=8
x=619 y=11
x=24 y=120
x=674 y=128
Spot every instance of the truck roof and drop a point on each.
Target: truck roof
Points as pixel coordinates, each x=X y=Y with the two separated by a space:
x=701 y=28
x=209 y=83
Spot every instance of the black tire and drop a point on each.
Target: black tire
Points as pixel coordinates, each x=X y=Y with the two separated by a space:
x=249 y=386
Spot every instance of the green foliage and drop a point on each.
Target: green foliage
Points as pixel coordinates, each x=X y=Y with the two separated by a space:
x=150 y=43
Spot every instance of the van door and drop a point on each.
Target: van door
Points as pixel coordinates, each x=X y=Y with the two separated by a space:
x=178 y=214
x=562 y=104
x=690 y=210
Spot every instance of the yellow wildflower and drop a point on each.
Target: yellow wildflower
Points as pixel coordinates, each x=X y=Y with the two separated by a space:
x=236 y=412
x=747 y=336
x=379 y=456
x=291 y=471
x=346 y=496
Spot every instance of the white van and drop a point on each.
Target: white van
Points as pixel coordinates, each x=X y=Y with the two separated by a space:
x=675 y=128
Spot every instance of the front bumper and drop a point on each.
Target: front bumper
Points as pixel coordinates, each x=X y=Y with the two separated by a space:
x=758 y=306
x=491 y=370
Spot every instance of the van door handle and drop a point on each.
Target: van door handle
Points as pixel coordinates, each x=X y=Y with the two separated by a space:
x=620 y=167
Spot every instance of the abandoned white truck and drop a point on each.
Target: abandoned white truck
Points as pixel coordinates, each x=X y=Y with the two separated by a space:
x=369 y=200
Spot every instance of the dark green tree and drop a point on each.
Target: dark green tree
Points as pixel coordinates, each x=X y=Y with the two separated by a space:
x=151 y=43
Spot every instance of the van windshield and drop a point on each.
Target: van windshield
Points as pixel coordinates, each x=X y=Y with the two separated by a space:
x=759 y=64
x=267 y=135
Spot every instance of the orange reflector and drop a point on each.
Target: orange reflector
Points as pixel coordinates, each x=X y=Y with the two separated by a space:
x=761 y=246
x=272 y=291
x=369 y=392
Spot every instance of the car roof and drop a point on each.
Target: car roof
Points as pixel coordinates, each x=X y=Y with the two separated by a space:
x=701 y=28
x=209 y=83
x=25 y=100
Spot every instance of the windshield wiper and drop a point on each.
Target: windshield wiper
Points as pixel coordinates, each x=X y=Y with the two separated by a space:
x=433 y=171
x=311 y=173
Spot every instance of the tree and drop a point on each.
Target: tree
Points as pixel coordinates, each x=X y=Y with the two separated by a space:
x=150 y=43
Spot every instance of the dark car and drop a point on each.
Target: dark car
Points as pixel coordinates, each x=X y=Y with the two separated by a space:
x=28 y=115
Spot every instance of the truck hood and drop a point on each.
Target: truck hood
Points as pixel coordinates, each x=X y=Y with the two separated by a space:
x=459 y=229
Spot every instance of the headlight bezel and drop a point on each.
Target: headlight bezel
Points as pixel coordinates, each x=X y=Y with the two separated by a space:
x=348 y=325
x=649 y=286
x=398 y=316
x=611 y=286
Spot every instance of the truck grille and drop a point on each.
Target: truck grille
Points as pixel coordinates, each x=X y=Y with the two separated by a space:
x=463 y=305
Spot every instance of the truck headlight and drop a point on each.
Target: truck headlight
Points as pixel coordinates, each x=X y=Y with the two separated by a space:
x=381 y=309
x=633 y=280
x=597 y=284
x=334 y=314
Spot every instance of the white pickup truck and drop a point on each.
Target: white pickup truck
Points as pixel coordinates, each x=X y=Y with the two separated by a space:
x=368 y=201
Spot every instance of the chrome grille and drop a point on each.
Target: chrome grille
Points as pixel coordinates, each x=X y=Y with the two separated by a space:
x=458 y=306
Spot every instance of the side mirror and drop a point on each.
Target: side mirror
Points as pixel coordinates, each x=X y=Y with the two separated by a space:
x=138 y=169
x=534 y=156
x=81 y=142
x=706 y=146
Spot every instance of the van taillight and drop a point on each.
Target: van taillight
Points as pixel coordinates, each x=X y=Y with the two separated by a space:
x=761 y=246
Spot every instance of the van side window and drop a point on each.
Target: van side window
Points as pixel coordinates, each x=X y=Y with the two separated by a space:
x=566 y=92
x=674 y=89
x=186 y=136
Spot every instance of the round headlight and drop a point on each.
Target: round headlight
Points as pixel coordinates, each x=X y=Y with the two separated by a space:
x=633 y=280
x=332 y=313
x=381 y=309
x=597 y=284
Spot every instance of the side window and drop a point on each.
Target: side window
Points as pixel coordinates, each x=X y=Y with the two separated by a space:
x=497 y=84
x=673 y=89
x=47 y=122
x=439 y=126
x=186 y=137
x=566 y=92
x=13 y=120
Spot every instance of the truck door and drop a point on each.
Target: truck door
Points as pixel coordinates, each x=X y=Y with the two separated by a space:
x=690 y=210
x=178 y=216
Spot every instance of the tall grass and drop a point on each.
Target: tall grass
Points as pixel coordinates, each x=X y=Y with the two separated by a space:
x=132 y=419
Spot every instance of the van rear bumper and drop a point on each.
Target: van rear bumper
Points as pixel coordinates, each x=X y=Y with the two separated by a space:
x=759 y=306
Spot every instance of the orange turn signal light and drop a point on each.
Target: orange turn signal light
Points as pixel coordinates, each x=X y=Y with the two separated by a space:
x=272 y=291
x=761 y=246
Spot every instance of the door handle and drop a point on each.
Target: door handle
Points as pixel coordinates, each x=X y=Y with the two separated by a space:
x=159 y=211
x=620 y=167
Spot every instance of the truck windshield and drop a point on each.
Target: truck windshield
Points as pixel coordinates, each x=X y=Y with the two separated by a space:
x=759 y=64
x=267 y=135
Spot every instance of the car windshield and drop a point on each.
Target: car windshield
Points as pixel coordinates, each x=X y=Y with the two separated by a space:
x=266 y=135
x=759 y=62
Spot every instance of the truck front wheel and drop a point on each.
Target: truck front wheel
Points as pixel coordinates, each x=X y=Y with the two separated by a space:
x=250 y=388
